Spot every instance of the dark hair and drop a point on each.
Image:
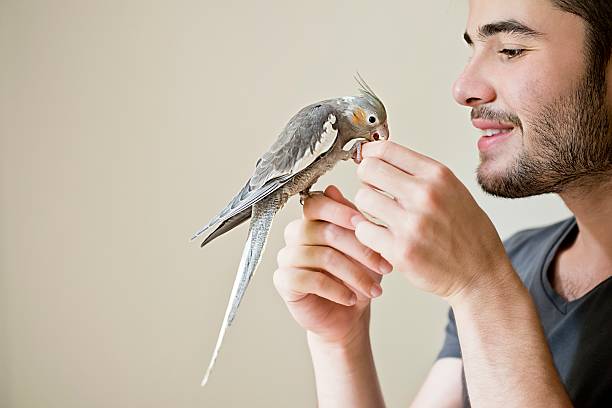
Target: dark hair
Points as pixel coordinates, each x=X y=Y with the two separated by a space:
x=598 y=17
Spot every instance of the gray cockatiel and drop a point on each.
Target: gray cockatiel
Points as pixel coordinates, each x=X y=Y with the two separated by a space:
x=313 y=141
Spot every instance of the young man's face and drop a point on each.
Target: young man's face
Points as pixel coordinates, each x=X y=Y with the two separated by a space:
x=532 y=89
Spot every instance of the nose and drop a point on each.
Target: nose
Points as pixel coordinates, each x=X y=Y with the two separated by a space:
x=472 y=88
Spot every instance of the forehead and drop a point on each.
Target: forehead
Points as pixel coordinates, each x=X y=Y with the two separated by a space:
x=540 y=15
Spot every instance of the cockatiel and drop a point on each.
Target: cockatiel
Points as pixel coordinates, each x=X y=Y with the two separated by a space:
x=313 y=141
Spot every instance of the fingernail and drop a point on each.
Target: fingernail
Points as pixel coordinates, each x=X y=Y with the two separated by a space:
x=356 y=219
x=376 y=290
x=385 y=267
x=352 y=300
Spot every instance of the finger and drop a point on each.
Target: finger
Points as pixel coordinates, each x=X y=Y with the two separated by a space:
x=380 y=174
x=329 y=260
x=323 y=208
x=342 y=239
x=399 y=156
x=374 y=237
x=378 y=205
x=293 y=284
x=334 y=193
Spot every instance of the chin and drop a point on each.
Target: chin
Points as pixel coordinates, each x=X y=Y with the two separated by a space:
x=494 y=166
x=497 y=177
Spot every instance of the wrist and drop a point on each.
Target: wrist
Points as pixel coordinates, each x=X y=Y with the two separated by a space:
x=501 y=285
x=356 y=337
x=354 y=343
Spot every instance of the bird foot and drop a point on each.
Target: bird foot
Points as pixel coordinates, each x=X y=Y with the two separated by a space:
x=355 y=152
x=307 y=193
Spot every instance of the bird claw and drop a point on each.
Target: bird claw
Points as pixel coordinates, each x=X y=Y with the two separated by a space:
x=355 y=152
x=306 y=194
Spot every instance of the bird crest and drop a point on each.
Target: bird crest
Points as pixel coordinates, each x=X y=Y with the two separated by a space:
x=366 y=91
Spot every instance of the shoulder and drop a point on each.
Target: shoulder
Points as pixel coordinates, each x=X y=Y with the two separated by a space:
x=528 y=245
x=537 y=235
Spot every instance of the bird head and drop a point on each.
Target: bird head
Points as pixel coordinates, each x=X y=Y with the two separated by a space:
x=367 y=115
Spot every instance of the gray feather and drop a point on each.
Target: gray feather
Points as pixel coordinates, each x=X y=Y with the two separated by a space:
x=228 y=225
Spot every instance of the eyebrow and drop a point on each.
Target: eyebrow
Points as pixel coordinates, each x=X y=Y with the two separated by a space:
x=504 y=26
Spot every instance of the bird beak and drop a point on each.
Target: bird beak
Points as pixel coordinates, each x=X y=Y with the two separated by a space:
x=381 y=132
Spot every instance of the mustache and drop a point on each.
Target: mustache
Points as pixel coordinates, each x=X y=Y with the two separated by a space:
x=484 y=112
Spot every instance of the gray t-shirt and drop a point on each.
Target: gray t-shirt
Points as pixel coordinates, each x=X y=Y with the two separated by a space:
x=579 y=332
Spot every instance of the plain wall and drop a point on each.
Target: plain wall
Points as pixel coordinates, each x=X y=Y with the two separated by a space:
x=126 y=125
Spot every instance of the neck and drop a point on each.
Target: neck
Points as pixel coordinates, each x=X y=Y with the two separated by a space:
x=592 y=208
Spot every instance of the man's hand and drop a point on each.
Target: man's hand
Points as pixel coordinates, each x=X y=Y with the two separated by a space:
x=434 y=232
x=325 y=275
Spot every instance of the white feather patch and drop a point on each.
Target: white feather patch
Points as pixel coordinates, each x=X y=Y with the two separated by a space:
x=349 y=145
x=325 y=142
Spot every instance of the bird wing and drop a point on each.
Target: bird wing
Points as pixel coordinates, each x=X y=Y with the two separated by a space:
x=309 y=134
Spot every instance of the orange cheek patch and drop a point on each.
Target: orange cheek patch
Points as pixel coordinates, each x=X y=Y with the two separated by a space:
x=359 y=116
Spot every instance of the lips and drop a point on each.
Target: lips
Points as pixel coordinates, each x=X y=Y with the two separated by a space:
x=487 y=142
x=493 y=133
x=485 y=125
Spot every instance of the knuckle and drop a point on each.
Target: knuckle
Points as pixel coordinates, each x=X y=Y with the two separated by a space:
x=331 y=232
x=280 y=256
x=291 y=256
x=335 y=212
x=407 y=250
x=384 y=148
x=425 y=195
x=298 y=280
x=319 y=282
x=292 y=229
x=404 y=225
x=363 y=281
x=278 y=278
x=328 y=257
x=441 y=173
x=430 y=196
x=312 y=207
x=370 y=255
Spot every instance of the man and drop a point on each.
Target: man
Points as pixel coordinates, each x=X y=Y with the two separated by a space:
x=529 y=324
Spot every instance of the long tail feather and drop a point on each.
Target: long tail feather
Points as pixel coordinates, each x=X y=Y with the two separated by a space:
x=261 y=221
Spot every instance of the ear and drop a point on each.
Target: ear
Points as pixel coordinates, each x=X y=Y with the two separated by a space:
x=359 y=117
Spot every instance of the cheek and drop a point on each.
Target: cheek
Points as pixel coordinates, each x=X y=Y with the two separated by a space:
x=527 y=98
x=534 y=83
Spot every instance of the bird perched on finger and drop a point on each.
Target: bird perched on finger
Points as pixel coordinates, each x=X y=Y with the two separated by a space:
x=313 y=141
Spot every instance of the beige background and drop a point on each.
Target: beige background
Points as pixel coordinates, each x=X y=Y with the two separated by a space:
x=125 y=125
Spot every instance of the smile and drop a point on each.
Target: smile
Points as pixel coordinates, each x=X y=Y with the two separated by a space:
x=492 y=132
x=493 y=137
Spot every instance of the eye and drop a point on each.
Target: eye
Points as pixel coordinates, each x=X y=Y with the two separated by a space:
x=372 y=119
x=512 y=52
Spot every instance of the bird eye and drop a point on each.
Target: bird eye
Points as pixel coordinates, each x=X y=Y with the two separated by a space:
x=372 y=119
